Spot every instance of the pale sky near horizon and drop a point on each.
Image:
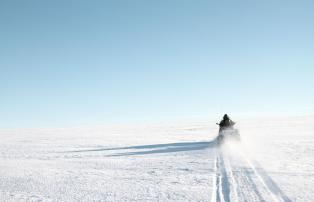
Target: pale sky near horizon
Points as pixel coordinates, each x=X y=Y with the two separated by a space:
x=65 y=63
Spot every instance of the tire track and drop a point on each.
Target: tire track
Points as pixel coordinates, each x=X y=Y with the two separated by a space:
x=222 y=184
x=238 y=178
x=269 y=182
x=246 y=187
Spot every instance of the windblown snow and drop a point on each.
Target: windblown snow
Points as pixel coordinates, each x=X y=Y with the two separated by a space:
x=179 y=162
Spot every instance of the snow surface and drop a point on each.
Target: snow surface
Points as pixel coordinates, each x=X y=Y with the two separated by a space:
x=179 y=162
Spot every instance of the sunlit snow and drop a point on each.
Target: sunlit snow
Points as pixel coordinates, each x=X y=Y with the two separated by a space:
x=174 y=162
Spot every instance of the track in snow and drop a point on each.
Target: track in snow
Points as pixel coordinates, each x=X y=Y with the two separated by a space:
x=240 y=179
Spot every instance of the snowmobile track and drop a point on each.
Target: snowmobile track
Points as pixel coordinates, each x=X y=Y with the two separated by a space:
x=222 y=182
x=240 y=179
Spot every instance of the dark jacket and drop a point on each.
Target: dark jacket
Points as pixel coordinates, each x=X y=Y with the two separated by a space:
x=226 y=123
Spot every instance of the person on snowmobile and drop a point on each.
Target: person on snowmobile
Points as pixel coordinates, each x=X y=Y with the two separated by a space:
x=226 y=130
x=226 y=122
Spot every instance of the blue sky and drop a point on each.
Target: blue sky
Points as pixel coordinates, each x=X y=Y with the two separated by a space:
x=67 y=63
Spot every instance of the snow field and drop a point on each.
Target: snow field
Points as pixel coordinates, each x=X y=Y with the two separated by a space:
x=178 y=162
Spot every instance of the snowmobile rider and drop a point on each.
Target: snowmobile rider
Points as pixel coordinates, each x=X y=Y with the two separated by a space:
x=226 y=122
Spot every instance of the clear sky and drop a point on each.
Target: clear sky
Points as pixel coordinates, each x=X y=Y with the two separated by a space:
x=65 y=63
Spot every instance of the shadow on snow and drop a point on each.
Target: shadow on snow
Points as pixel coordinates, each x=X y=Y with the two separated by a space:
x=156 y=148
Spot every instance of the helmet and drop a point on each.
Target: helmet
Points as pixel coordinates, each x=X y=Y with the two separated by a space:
x=226 y=116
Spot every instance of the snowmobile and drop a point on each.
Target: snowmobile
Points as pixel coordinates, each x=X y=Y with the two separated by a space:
x=227 y=131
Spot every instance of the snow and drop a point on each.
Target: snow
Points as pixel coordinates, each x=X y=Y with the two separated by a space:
x=166 y=162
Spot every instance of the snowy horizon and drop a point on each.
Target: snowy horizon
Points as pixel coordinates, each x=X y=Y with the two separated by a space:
x=274 y=162
x=114 y=101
